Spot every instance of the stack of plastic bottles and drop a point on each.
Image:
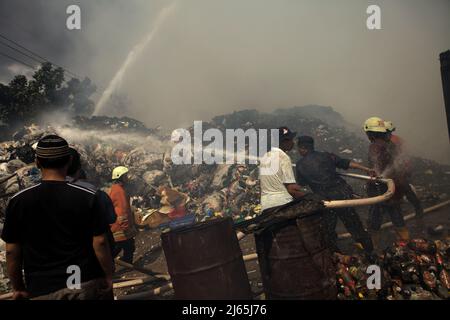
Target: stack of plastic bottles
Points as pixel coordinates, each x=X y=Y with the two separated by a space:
x=414 y=270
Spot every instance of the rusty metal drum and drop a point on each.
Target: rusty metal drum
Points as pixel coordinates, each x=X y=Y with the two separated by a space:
x=295 y=262
x=205 y=262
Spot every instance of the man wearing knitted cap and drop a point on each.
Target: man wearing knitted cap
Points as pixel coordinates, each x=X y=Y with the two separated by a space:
x=55 y=231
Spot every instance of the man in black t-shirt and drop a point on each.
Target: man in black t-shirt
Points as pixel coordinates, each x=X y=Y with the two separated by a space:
x=77 y=176
x=318 y=171
x=56 y=231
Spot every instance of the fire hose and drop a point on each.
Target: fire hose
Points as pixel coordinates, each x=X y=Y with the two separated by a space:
x=364 y=202
x=250 y=257
x=410 y=216
x=406 y=218
x=246 y=258
x=334 y=204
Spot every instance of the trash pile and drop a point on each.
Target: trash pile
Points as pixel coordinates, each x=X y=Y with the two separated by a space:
x=333 y=134
x=124 y=124
x=416 y=270
x=4 y=281
x=327 y=127
x=221 y=191
x=162 y=192
x=212 y=190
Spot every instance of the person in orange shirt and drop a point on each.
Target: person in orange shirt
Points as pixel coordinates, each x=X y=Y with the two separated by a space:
x=123 y=229
x=410 y=194
x=382 y=158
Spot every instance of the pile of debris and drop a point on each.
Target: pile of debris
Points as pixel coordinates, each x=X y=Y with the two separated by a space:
x=213 y=190
x=123 y=125
x=204 y=191
x=331 y=133
x=414 y=270
x=4 y=281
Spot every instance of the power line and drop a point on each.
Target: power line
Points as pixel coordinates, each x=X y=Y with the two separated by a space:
x=24 y=63
x=34 y=59
x=17 y=60
x=22 y=47
x=38 y=58
x=24 y=54
x=42 y=59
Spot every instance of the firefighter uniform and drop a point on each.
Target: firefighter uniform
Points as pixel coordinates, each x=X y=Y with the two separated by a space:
x=382 y=157
x=406 y=169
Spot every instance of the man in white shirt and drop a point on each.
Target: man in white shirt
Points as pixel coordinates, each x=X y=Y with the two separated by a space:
x=277 y=179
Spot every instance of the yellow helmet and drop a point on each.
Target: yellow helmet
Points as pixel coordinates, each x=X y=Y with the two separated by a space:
x=374 y=124
x=118 y=172
x=389 y=126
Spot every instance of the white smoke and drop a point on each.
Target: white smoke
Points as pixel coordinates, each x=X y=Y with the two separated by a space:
x=133 y=55
x=116 y=139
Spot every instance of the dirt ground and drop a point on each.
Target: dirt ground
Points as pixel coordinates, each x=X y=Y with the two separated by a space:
x=150 y=254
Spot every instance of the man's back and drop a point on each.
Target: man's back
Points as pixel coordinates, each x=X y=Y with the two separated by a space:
x=54 y=222
x=108 y=207
x=278 y=167
x=318 y=171
x=381 y=155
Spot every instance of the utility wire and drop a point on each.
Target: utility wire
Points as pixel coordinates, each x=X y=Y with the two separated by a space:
x=36 y=57
x=26 y=64
x=22 y=47
x=24 y=54
x=17 y=60
x=39 y=58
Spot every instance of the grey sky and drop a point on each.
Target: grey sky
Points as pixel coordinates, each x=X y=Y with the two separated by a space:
x=215 y=56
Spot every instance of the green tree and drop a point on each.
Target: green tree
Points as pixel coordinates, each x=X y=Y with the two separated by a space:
x=23 y=101
x=78 y=93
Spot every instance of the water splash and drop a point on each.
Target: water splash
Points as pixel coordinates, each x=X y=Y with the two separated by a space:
x=116 y=82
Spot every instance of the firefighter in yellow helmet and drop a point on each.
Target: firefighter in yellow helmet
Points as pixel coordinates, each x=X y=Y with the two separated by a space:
x=382 y=156
x=118 y=172
x=375 y=124
x=123 y=229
